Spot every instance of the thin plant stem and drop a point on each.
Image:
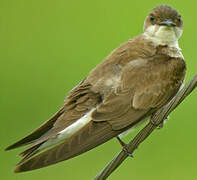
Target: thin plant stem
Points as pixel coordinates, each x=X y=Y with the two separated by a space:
x=157 y=119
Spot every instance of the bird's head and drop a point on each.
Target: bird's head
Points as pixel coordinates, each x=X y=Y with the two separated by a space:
x=164 y=25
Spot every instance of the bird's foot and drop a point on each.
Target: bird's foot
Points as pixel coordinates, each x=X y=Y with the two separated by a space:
x=124 y=147
x=159 y=125
x=162 y=123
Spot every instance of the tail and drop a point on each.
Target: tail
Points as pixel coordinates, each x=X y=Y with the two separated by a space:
x=37 y=133
x=90 y=136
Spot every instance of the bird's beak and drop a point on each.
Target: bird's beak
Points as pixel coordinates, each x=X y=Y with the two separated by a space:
x=167 y=23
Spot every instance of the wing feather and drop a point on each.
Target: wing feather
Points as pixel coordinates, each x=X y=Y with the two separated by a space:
x=146 y=85
x=92 y=135
x=78 y=102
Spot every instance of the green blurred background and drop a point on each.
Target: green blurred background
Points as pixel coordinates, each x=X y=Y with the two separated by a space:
x=47 y=47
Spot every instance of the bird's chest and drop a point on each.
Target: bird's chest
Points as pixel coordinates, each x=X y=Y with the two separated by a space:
x=172 y=52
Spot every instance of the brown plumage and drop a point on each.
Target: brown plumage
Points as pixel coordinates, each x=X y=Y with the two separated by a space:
x=134 y=81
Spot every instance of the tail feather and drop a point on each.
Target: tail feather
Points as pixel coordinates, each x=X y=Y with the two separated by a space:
x=37 y=133
x=90 y=136
x=29 y=150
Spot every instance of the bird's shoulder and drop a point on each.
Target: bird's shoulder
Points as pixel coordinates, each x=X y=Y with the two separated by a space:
x=106 y=76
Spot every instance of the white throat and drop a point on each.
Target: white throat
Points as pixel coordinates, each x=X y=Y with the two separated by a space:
x=163 y=35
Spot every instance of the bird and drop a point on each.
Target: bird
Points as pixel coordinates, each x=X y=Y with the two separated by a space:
x=128 y=87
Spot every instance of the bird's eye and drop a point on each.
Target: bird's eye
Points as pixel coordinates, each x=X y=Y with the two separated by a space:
x=179 y=19
x=152 y=18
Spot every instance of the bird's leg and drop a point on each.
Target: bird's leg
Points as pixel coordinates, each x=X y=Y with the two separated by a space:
x=162 y=123
x=124 y=146
x=159 y=125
